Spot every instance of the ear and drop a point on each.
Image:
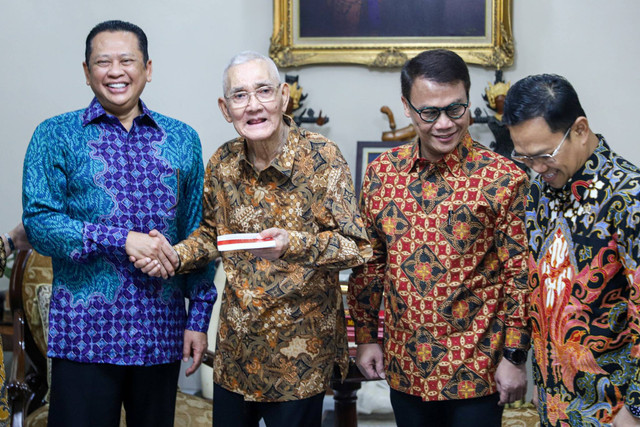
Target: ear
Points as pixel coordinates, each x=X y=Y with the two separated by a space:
x=285 y=90
x=407 y=109
x=149 y=70
x=581 y=129
x=85 y=67
x=225 y=110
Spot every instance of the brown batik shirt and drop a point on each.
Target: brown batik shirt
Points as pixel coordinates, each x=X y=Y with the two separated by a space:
x=282 y=326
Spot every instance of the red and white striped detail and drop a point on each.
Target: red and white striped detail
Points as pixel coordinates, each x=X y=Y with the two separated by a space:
x=240 y=241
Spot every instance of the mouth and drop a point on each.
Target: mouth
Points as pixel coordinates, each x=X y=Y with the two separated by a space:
x=117 y=85
x=256 y=121
x=445 y=138
x=549 y=176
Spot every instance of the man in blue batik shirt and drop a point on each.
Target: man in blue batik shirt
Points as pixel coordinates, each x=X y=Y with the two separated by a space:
x=96 y=181
x=582 y=218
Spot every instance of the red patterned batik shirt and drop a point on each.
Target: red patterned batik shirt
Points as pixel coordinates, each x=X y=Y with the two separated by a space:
x=449 y=250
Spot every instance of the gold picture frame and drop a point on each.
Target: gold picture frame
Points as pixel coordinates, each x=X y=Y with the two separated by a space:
x=293 y=44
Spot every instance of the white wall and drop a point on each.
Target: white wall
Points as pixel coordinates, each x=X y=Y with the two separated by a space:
x=42 y=48
x=591 y=42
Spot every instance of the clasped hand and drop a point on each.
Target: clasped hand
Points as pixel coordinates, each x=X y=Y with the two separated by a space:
x=152 y=253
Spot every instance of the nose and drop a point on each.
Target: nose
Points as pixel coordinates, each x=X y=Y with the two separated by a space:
x=253 y=103
x=443 y=121
x=538 y=166
x=115 y=68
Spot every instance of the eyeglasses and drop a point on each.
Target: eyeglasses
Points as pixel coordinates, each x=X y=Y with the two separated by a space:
x=263 y=94
x=431 y=114
x=530 y=160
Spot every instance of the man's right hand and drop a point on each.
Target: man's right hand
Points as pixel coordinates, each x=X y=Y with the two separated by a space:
x=369 y=360
x=153 y=250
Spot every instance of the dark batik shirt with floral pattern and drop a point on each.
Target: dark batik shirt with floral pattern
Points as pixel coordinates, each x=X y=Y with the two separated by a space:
x=87 y=183
x=585 y=281
x=282 y=327
x=449 y=251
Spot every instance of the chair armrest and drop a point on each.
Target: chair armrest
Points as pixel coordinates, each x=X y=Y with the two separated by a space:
x=207 y=358
x=18 y=391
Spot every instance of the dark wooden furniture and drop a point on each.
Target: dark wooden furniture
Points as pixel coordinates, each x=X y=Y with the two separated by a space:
x=345 y=396
x=345 y=392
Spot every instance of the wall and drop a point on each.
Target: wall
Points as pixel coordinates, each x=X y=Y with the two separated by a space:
x=42 y=47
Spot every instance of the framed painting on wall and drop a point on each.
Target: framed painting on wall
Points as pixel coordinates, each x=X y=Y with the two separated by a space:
x=385 y=33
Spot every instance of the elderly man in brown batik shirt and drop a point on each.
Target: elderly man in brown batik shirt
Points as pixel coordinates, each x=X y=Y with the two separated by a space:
x=282 y=327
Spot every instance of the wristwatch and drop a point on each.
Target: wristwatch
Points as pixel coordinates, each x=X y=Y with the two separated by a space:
x=515 y=355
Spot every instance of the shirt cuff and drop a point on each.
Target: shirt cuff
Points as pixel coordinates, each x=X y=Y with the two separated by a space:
x=517 y=339
x=103 y=239
x=199 y=316
x=296 y=247
x=366 y=335
x=634 y=410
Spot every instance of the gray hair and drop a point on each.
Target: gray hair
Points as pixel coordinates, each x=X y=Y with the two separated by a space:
x=248 y=56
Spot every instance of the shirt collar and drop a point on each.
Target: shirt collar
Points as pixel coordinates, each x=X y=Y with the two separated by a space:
x=409 y=155
x=96 y=111
x=581 y=180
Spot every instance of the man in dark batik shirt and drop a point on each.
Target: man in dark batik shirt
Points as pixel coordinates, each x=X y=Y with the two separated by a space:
x=583 y=213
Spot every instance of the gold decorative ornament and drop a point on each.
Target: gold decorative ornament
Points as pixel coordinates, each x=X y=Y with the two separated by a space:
x=288 y=49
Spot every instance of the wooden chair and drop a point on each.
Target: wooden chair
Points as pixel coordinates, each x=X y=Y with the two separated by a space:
x=27 y=378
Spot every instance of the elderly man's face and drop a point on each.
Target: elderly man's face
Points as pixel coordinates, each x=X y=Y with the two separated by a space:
x=117 y=72
x=257 y=120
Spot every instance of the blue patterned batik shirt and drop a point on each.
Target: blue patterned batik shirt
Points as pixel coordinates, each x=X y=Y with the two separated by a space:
x=584 y=274
x=87 y=183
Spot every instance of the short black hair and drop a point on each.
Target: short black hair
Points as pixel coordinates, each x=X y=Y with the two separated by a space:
x=438 y=65
x=113 y=26
x=543 y=95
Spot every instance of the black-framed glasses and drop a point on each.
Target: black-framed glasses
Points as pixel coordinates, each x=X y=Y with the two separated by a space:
x=266 y=93
x=431 y=114
x=544 y=158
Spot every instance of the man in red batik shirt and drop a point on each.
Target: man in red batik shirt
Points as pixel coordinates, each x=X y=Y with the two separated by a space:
x=446 y=221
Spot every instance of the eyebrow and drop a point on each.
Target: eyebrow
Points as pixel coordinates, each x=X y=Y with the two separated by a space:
x=539 y=153
x=457 y=101
x=118 y=55
x=255 y=86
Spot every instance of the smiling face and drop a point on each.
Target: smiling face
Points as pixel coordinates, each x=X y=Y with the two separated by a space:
x=534 y=137
x=117 y=72
x=440 y=137
x=257 y=121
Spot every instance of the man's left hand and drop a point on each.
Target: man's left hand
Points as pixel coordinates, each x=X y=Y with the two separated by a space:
x=195 y=344
x=19 y=237
x=625 y=419
x=282 y=244
x=511 y=381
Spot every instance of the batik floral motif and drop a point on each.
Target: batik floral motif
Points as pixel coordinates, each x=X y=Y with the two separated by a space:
x=583 y=264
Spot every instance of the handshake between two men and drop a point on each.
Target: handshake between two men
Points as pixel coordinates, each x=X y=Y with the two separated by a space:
x=153 y=254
